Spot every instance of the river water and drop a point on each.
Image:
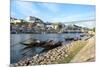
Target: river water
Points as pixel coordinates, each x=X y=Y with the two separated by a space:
x=19 y=51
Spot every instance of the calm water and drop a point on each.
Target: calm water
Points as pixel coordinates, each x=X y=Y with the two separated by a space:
x=19 y=51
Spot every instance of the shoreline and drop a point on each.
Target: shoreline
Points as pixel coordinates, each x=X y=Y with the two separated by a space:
x=56 y=55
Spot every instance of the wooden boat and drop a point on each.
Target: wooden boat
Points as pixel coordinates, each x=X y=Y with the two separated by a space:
x=82 y=35
x=49 y=44
x=31 y=42
x=69 y=39
x=73 y=39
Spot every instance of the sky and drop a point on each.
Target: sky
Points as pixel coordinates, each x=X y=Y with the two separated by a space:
x=54 y=12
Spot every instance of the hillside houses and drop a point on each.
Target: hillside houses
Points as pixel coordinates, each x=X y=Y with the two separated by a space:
x=74 y=28
x=35 y=25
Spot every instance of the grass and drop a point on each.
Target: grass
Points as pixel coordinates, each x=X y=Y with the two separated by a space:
x=73 y=50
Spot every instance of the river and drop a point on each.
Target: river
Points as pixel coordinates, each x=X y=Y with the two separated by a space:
x=19 y=51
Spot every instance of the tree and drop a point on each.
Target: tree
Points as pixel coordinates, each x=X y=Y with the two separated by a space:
x=23 y=21
x=57 y=26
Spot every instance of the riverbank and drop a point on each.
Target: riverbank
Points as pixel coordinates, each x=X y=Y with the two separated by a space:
x=62 y=54
x=19 y=51
x=87 y=54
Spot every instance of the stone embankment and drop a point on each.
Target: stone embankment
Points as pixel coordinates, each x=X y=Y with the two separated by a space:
x=61 y=54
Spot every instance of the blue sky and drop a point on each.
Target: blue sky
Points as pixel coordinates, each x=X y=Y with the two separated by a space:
x=53 y=12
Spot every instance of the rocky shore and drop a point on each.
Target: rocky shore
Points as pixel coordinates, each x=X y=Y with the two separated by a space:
x=61 y=54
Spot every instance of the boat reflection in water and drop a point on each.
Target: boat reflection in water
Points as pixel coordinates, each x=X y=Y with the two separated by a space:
x=43 y=42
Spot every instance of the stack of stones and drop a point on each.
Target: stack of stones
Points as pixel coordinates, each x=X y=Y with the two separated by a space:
x=51 y=57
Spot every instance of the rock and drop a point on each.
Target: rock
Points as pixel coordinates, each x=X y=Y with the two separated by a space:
x=66 y=55
x=52 y=56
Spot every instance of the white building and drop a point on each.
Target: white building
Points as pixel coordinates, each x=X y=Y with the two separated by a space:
x=14 y=20
x=32 y=19
x=38 y=21
x=49 y=25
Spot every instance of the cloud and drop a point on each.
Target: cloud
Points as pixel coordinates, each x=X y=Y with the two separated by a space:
x=53 y=13
x=89 y=24
x=51 y=7
x=77 y=17
x=25 y=8
x=74 y=17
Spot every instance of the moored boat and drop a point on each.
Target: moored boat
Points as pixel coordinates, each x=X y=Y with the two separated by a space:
x=30 y=42
x=48 y=44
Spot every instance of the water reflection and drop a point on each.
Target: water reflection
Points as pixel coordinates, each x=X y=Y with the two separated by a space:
x=19 y=51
